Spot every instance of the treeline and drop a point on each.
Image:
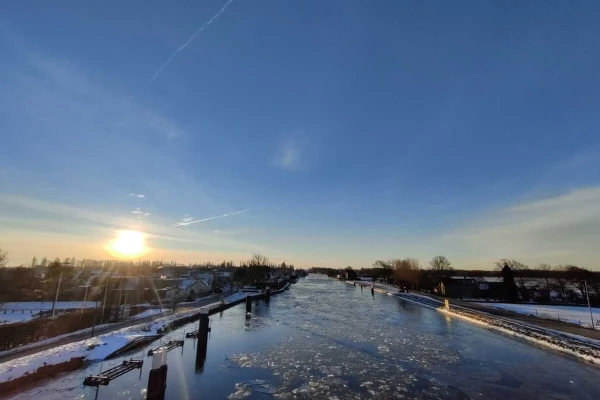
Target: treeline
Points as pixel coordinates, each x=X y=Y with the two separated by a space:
x=570 y=282
x=39 y=281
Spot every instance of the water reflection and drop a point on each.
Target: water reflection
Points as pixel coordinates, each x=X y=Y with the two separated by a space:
x=327 y=339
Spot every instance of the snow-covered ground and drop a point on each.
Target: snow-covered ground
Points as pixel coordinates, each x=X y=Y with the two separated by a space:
x=572 y=314
x=23 y=311
x=45 y=305
x=13 y=318
x=97 y=348
x=151 y=312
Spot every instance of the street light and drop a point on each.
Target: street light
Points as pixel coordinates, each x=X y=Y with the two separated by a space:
x=84 y=297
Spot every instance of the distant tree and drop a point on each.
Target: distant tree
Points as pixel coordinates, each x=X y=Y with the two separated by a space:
x=54 y=269
x=350 y=273
x=34 y=261
x=579 y=277
x=44 y=262
x=3 y=258
x=407 y=271
x=387 y=269
x=520 y=273
x=440 y=264
x=560 y=282
x=545 y=276
x=258 y=268
x=510 y=289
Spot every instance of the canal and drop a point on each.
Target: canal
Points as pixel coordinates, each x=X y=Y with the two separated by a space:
x=326 y=339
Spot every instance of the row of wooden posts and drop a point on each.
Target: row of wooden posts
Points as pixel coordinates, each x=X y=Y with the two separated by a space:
x=157 y=378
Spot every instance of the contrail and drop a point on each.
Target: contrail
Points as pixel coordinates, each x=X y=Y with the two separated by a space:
x=203 y=27
x=187 y=221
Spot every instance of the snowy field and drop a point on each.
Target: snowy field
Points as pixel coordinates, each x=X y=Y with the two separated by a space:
x=45 y=305
x=572 y=314
x=23 y=311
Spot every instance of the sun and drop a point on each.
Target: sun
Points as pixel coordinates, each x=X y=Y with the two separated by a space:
x=128 y=244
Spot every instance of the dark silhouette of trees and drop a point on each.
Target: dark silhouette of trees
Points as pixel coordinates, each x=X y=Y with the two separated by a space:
x=3 y=258
x=440 y=264
x=510 y=289
x=408 y=272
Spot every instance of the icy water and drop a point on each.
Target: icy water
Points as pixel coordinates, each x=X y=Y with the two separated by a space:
x=325 y=339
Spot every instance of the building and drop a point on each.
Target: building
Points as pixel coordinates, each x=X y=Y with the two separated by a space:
x=190 y=289
x=458 y=287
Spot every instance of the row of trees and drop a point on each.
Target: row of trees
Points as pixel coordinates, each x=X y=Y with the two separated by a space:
x=568 y=281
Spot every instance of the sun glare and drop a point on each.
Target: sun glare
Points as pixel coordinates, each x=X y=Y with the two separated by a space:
x=128 y=244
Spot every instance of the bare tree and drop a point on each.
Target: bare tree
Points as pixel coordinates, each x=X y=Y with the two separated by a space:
x=3 y=258
x=560 y=282
x=578 y=278
x=258 y=260
x=546 y=276
x=386 y=266
x=520 y=271
x=407 y=270
x=440 y=263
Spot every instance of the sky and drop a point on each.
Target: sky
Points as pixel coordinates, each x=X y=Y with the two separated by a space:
x=327 y=133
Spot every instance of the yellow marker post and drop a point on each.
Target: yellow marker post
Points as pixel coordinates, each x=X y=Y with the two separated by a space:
x=446 y=304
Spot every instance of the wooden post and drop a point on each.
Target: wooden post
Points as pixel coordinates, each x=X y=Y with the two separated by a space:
x=157 y=378
x=203 y=330
x=248 y=305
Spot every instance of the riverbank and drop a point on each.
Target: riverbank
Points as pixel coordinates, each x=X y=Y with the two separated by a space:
x=576 y=345
x=15 y=373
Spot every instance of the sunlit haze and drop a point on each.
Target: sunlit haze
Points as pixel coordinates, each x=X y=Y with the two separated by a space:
x=128 y=244
x=327 y=133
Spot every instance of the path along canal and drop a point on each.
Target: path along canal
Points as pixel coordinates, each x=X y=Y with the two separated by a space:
x=326 y=339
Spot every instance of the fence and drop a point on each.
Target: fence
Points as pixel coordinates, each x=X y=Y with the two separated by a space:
x=22 y=333
x=582 y=320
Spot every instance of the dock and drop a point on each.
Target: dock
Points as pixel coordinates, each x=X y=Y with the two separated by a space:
x=105 y=377
x=170 y=345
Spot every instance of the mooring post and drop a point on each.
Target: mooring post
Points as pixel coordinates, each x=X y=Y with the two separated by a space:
x=157 y=379
x=248 y=305
x=203 y=329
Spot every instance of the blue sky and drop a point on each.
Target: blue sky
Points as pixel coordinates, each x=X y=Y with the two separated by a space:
x=332 y=133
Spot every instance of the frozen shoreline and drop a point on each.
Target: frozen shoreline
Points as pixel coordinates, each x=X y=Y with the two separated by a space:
x=578 y=346
x=97 y=348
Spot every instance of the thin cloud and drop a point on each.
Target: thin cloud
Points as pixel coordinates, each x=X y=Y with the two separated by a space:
x=188 y=220
x=138 y=197
x=198 y=31
x=288 y=156
x=139 y=213
x=559 y=229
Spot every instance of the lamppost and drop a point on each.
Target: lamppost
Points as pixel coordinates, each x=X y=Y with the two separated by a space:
x=104 y=302
x=56 y=297
x=84 y=297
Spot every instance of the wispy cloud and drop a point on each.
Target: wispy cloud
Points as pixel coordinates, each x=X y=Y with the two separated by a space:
x=556 y=229
x=189 y=220
x=138 y=197
x=139 y=213
x=288 y=156
x=191 y=38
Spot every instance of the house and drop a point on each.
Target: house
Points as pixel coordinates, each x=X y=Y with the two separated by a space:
x=192 y=288
x=458 y=287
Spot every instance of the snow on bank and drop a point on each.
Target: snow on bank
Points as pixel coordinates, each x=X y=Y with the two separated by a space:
x=97 y=348
x=150 y=313
x=572 y=314
x=585 y=348
x=13 y=318
x=46 y=305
